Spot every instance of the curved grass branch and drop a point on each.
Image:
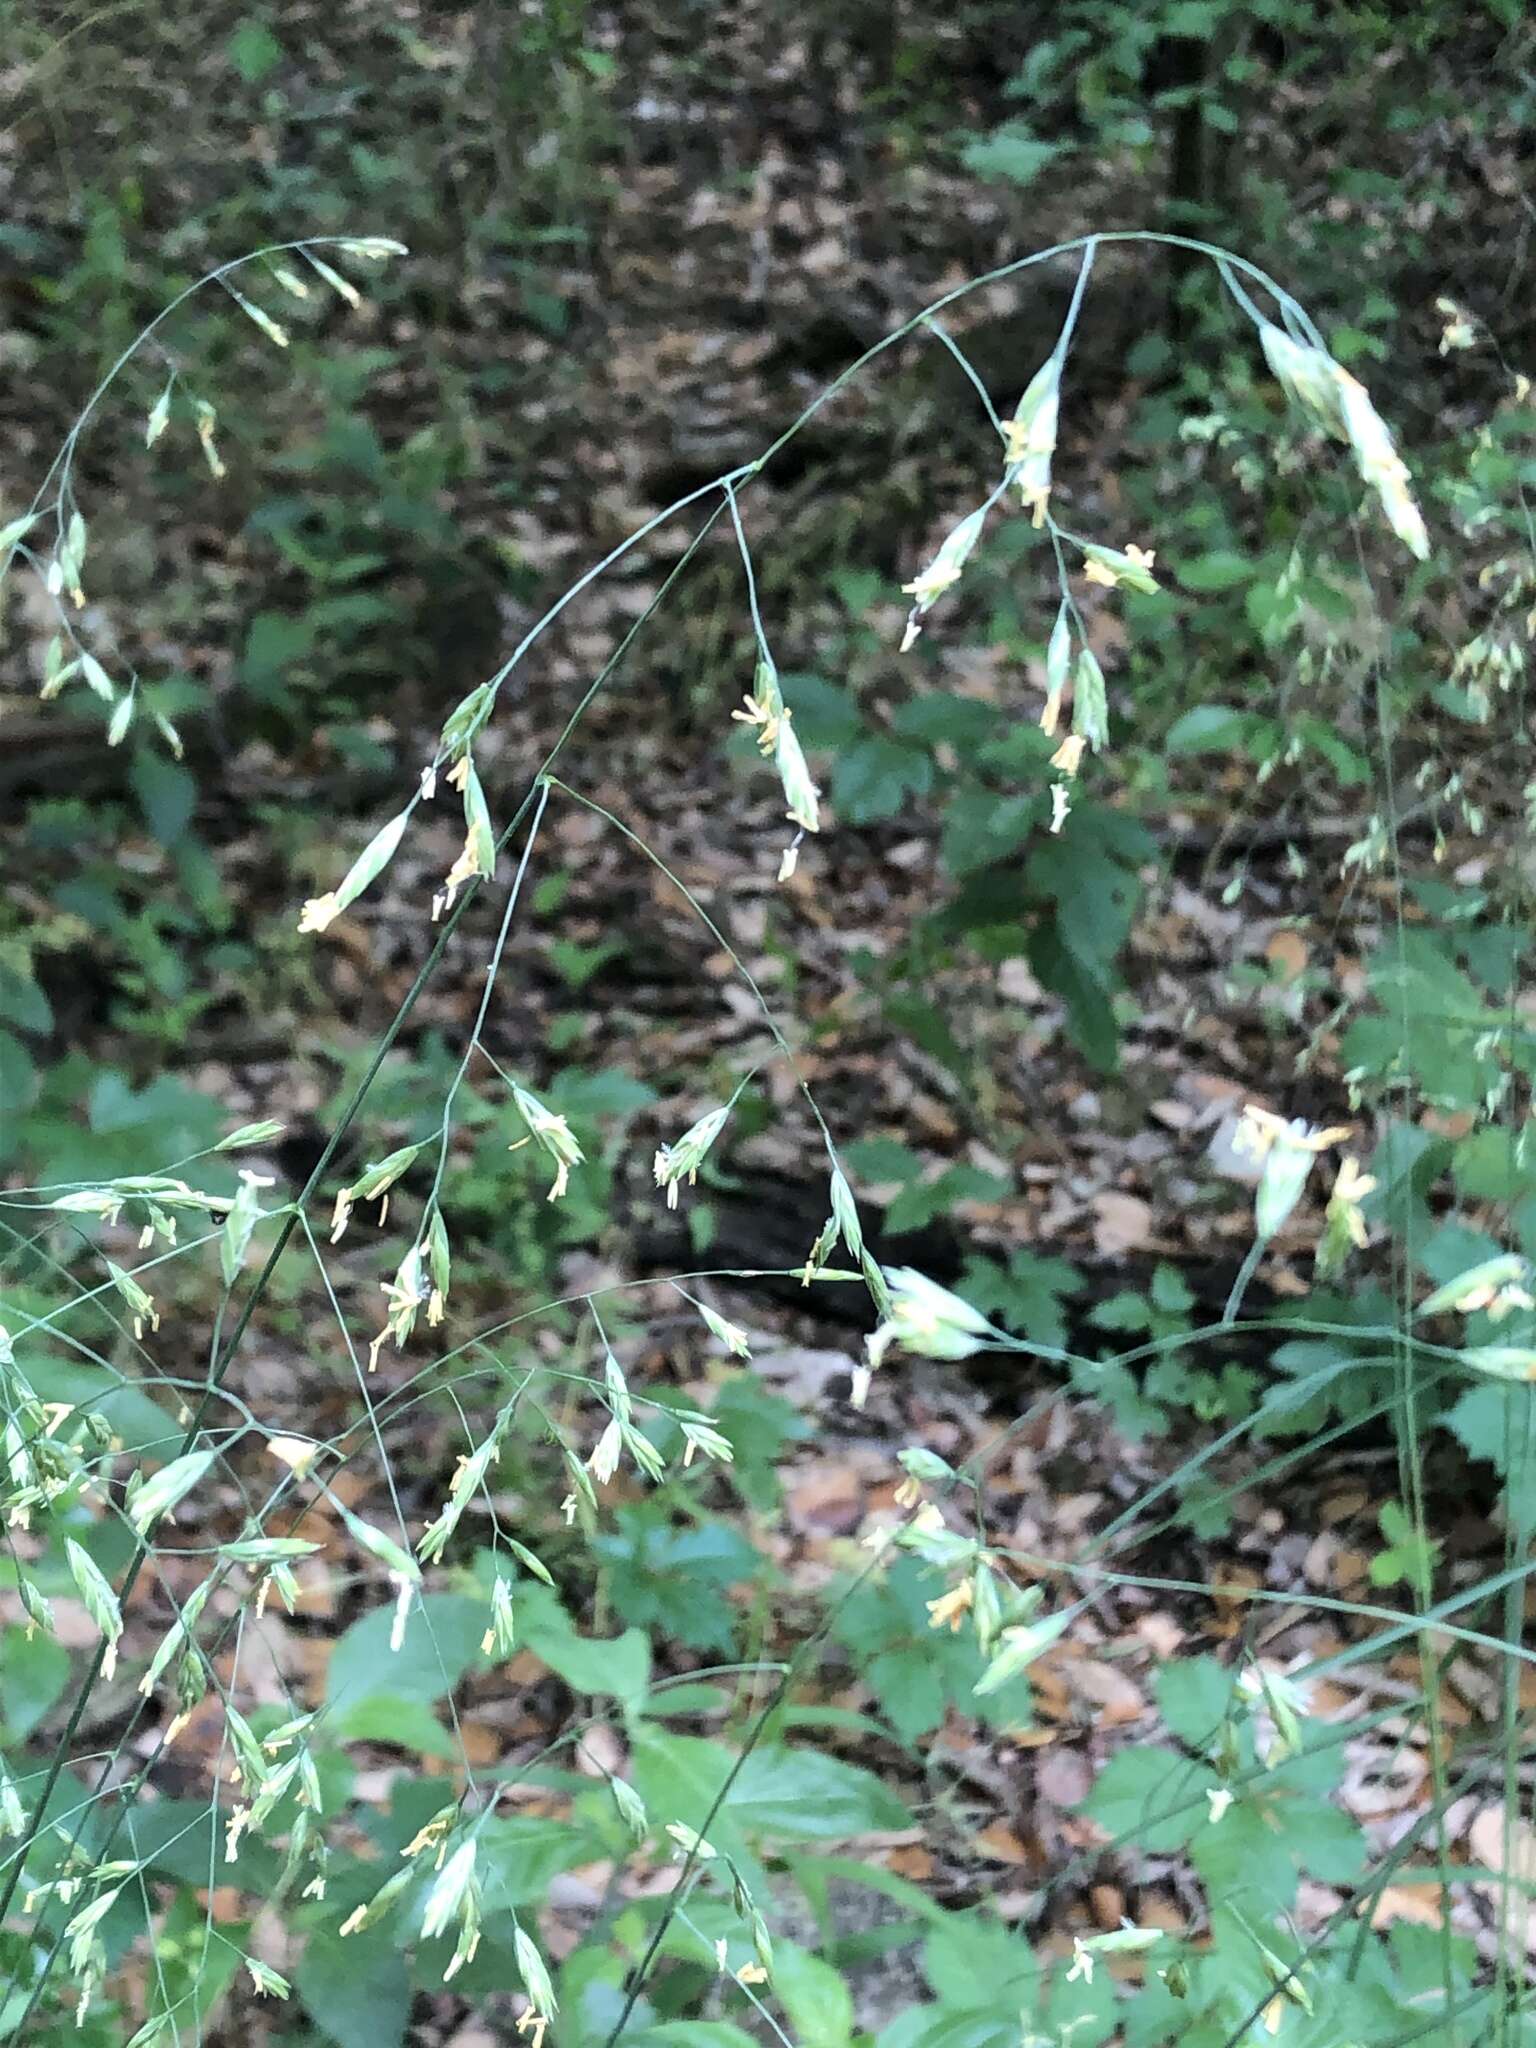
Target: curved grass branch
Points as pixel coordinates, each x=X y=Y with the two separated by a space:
x=232 y=1323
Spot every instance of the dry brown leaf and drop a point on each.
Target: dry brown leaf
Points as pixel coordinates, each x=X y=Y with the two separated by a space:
x=1108 y=1903
x=827 y=1500
x=1115 y=1696
x=1001 y=1844
x=1122 y=1223
x=1063 y=1777
x=1161 y=1633
x=1507 y=1845
x=1157 y=1909
x=1351 y=1571
x=482 y=1745
x=1421 y=1905
x=1287 y=953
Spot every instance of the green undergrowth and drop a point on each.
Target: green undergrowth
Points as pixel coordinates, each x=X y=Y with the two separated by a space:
x=499 y=1501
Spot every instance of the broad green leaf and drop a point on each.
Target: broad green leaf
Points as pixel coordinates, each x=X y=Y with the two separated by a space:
x=1263 y=1845
x=980 y=829
x=873 y=778
x=34 y=1671
x=1009 y=155
x=793 y=1794
x=909 y=1684
x=1151 y=1797
x=942 y=715
x=356 y=1991
x=693 y=2034
x=882 y=1159
x=919 y=1202
x=672 y=1580
x=19 y=1080
x=815 y=1997
x=442 y=1638
x=825 y=715
x=167 y=794
x=1494 y=1422
x=952 y=2026
x=254 y=51
x=22 y=1002
x=1195 y=1695
x=1026 y=1295
x=405 y=1723
x=1218 y=570
x=1492 y=1166
x=608 y=1667
x=1208 y=729
x=522 y=1855
x=967 y=1952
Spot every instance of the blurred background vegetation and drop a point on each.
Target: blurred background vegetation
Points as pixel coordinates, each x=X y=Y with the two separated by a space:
x=639 y=241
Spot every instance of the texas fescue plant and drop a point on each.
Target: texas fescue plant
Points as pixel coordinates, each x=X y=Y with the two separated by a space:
x=176 y=1509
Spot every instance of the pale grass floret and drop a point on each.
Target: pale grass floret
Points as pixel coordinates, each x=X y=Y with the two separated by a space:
x=1058 y=663
x=1110 y=567
x=541 y=1992
x=1289 y=1149
x=763 y=710
x=465 y=867
x=924 y=1318
x=269 y=1983
x=682 y=1159
x=1341 y=404
x=700 y=1437
x=554 y=1136
x=1350 y=1189
x=945 y=569
x=951 y=1608
x=320 y=912
x=447 y=1895
x=1380 y=464
x=801 y=796
x=604 y=1461
x=501 y=1636
x=731 y=1335
x=298 y=1453
x=1499 y=1280
x=433 y=1834
x=405 y=1296
x=1029 y=438
x=942 y=572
